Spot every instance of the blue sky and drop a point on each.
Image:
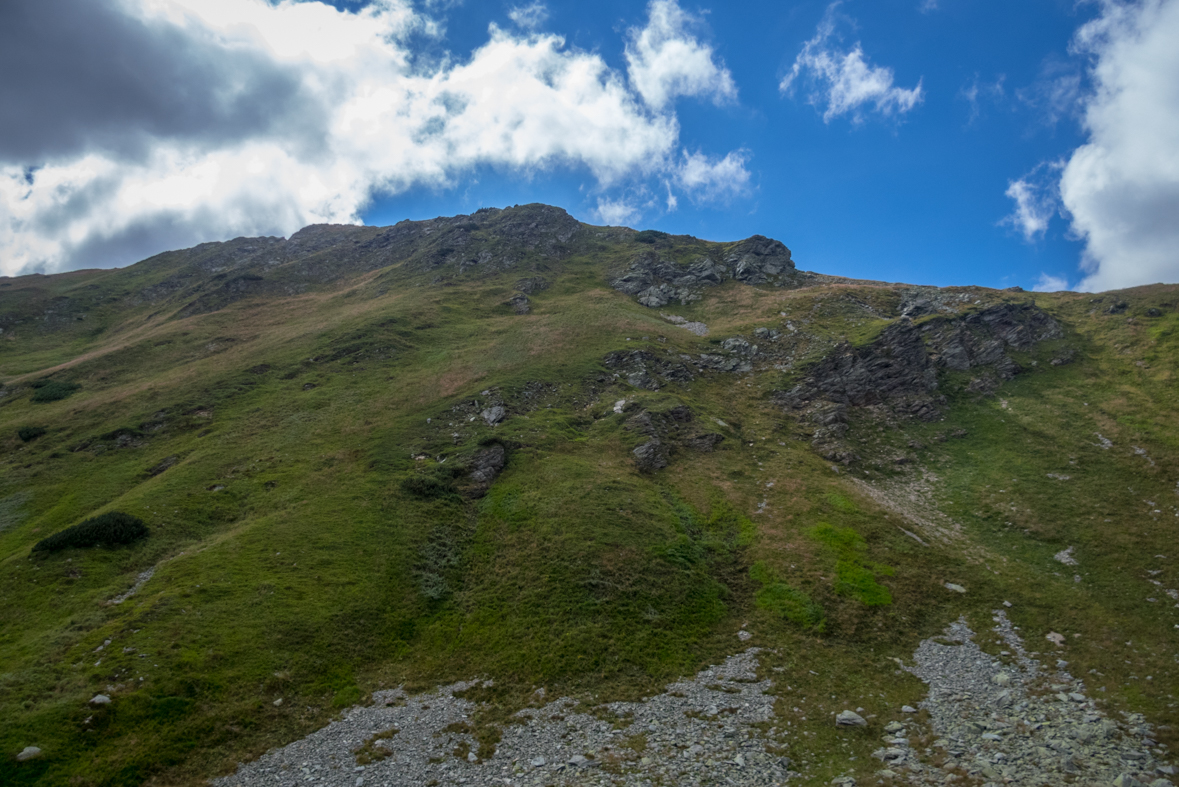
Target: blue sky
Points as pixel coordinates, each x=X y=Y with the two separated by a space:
x=918 y=197
x=996 y=143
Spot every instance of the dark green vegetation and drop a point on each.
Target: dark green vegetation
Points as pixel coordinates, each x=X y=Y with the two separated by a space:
x=109 y=529
x=29 y=433
x=309 y=430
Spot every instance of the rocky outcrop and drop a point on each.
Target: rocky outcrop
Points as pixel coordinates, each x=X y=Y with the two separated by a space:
x=656 y=281
x=644 y=369
x=484 y=467
x=898 y=372
x=667 y=431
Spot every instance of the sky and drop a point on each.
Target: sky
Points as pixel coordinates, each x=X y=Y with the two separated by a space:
x=946 y=142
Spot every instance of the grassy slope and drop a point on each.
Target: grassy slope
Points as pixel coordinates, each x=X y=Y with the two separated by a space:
x=298 y=577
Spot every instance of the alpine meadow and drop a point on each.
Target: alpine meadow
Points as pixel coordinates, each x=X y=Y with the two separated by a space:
x=507 y=498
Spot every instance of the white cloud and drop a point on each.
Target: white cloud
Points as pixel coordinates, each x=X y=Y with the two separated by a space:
x=844 y=80
x=360 y=117
x=617 y=212
x=1049 y=283
x=665 y=60
x=706 y=179
x=1036 y=199
x=1121 y=188
x=529 y=16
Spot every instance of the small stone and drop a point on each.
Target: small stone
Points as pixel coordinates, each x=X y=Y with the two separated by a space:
x=990 y=736
x=886 y=774
x=493 y=415
x=739 y=760
x=1126 y=780
x=28 y=753
x=278 y=702
x=1162 y=783
x=955 y=588
x=894 y=727
x=100 y=699
x=359 y=781
x=908 y=709
x=849 y=718
x=537 y=762
x=1055 y=639
x=744 y=635
x=472 y=757
x=577 y=760
x=1076 y=696
x=1062 y=696
x=1002 y=679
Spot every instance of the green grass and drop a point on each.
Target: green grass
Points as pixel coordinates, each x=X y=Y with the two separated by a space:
x=294 y=459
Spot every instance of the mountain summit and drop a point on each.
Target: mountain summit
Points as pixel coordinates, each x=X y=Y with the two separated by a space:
x=498 y=477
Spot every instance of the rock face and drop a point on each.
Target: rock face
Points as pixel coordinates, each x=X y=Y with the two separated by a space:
x=656 y=281
x=898 y=371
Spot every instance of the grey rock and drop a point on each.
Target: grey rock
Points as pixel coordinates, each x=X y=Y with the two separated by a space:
x=100 y=699
x=28 y=753
x=848 y=718
x=519 y=303
x=651 y=456
x=494 y=415
x=485 y=467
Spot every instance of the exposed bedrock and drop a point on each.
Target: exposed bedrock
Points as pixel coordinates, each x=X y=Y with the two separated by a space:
x=656 y=281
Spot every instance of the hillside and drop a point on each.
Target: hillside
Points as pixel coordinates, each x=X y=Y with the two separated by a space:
x=516 y=448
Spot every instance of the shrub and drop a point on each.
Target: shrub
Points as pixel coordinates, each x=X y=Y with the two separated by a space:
x=428 y=488
x=28 y=433
x=52 y=390
x=113 y=527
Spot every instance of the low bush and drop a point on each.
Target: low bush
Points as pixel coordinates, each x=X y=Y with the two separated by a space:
x=113 y=527
x=28 y=433
x=428 y=488
x=52 y=390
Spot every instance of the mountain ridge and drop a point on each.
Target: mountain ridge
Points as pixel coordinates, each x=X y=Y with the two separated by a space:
x=524 y=449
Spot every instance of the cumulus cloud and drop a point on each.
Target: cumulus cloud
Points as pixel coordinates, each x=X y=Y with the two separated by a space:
x=709 y=179
x=1048 y=283
x=617 y=212
x=1121 y=188
x=187 y=120
x=843 y=80
x=664 y=60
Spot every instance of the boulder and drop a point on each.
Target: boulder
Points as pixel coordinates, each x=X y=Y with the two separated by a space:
x=848 y=718
x=493 y=415
x=100 y=699
x=28 y=753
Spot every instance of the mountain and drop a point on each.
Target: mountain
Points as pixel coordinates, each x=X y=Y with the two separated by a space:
x=520 y=449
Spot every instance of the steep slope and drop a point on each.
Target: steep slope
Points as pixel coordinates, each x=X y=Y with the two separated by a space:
x=499 y=446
